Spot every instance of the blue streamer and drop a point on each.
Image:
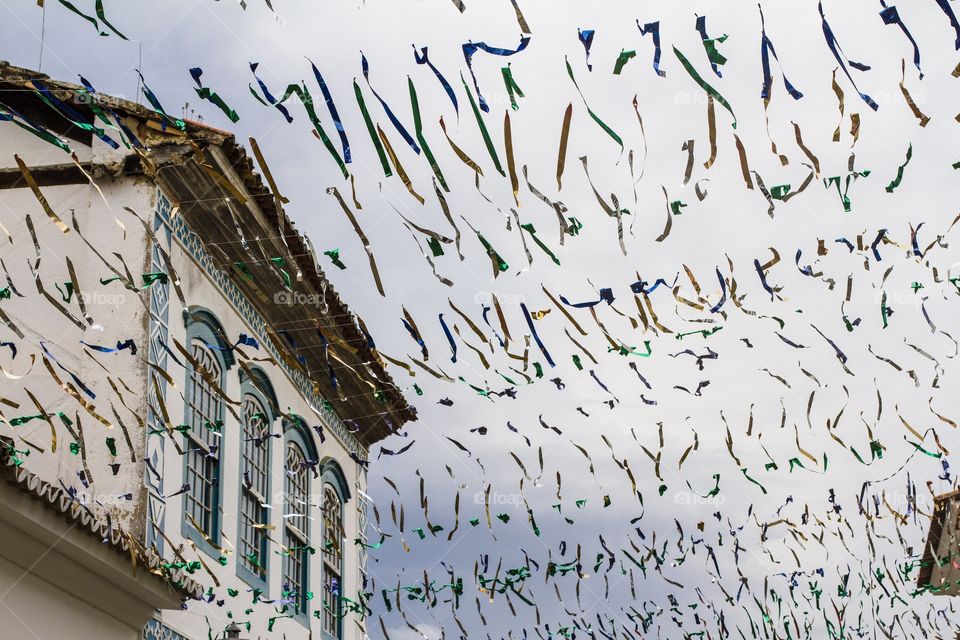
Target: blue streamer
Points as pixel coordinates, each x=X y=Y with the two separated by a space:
x=654 y=29
x=766 y=48
x=393 y=119
x=838 y=54
x=422 y=58
x=123 y=128
x=723 y=286
x=453 y=344
x=586 y=39
x=536 y=336
x=332 y=108
x=486 y=310
x=890 y=15
x=606 y=295
x=155 y=103
x=641 y=286
x=702 y=29
x=416 y=337
x=269 y=96
x=763 y=278
x=72 y=114
x=471 y=48
x=947 y=9
x=72 y=375
x=126 y=344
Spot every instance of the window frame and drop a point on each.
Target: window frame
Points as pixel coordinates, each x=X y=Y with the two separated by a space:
x=332 y=476
x=201 y=324
x=296 y=434
x=262 y=391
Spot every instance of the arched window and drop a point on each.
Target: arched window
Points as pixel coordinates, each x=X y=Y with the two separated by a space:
x=296 y=514
x=257 y=416
x=334 y=496
x=203 y=452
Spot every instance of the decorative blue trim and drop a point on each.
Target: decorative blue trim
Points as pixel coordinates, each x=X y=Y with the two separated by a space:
x=263 y=556
x=158 y=332
x=156 y=630
x=297 y=432
x=201 y=323
x=193 y=245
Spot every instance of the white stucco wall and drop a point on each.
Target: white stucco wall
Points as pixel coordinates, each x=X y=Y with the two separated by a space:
x=118 y=314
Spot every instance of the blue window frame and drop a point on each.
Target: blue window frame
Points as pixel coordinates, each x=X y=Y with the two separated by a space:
x=335 y=495
x=300 y=458
x=258 y=411
x=203 y=440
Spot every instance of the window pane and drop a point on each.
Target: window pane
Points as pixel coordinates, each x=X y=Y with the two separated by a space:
x=295 y=565
x=333 y=560
x=253 y=468
x=203 y=455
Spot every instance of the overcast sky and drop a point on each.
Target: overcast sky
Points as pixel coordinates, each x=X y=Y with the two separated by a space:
x=755 y=369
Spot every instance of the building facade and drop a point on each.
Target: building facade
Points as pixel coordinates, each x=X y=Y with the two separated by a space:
x=177 y=366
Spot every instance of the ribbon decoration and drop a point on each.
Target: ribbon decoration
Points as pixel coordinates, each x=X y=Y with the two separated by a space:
x=704 y=85
x=919 y=115
x=422 y=58
x=838 y=54
x=453 y=343
x=471 y=48
x=332 y=108
x=606 y=295
x=371 y=130
x=513 y=89
x=91 y=20
x=896 y=181
x=890 y=15
x=710 y=46
x=483 y=131
x=393 y=119
x=418 y=128
x=8 y=114
x=206 y=94
x=35 y=188
x=155 y=103
x=767 y=48
x=622 y=60
x=363 y=238
x=121 y=346
x=536 y=336
x=70 y=114
x=947 y=9
x=610 y=132
x=586 y=39
x=125 y=131
x=653 y=28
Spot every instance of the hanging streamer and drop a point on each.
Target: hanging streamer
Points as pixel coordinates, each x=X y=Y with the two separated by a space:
x=471 y=48
x=838 y=54
x=653 y=28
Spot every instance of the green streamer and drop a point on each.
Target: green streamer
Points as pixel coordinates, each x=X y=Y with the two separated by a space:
x=704 y=85
x=372 y=130
x=304 y=94
x=483 y=128
x=533 y=234
x=418 y=126
x=610 y=132
x=513 y=89
x=896 y=181
x=622 y=60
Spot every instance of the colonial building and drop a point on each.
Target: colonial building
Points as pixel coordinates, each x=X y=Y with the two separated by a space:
x=186 y=405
